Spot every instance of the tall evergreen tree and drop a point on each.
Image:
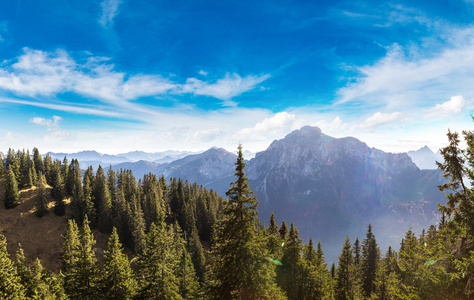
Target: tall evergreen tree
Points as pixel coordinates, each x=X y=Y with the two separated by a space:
x=38 y=161
x=240 y=268
x=283 y=230
x=12 y=197
x=117 y=278
x=344 y=280
x=58 y=190
x=103 y=202
x=370 y=258
x=289 y=275
x=10 y=283
x=274 y=241
x=41 y=201
x=13 y=163
x=156 y=266
x=79 y=262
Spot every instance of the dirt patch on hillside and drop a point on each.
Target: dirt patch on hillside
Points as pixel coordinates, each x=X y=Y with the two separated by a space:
x=39 y=237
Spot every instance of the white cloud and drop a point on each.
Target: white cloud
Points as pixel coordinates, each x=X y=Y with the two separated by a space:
x=109 y=11
x=203 y=73
x=276 y=125
x=335 y=125
x=378 y=119
x=39 y=74
x=225 y=89
x=414 y=77
x=454 y=106
x=50 y=124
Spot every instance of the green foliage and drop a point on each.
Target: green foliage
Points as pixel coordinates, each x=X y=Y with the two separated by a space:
x=370 y=258
x=344 y=277
x=10 y=282
x=239 y=266
x=41 y=200
x=117 y=279
x=12 y=197
x=79 y=262
x=157 y=265
x=58 y=189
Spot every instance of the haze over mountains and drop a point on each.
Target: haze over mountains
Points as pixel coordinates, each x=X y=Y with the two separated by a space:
x=330 y=187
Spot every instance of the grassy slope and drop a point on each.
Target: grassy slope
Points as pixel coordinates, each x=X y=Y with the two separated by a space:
x=39 y=237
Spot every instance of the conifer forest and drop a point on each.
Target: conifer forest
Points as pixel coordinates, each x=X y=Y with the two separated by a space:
x=173 y=239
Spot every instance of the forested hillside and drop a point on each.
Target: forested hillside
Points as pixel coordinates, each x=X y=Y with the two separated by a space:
x=171 y=239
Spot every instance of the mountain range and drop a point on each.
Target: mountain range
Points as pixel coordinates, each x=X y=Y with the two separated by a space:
x=328 y=186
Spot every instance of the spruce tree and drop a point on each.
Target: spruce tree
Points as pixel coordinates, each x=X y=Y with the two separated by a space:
x=103 y=202
x=370 y=258
x=2 y=167
x=156 y=266
x=274 y=241
x=58 y=190
x=12 y=197
x=344 y=280
x=41 y=201
x=117 y=279
x=10 y=283
x=283 y=230
x=79 y=262
x=289 y=275
x=13 y=163
x=239 y=265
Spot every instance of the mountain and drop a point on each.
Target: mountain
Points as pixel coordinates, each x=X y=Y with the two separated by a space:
x=332 y=187
x=213 y=168
x=424 y=158
x=165 y=156
x=89 y=156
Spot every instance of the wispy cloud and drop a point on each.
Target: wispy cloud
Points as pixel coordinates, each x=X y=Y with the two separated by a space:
x=109 y=11
x=39 y=74
x=406 y=78
x=277 y=125
x=67 y=108
x=225 y=89
x=50 y=124
x=378 y=119
x=447 y=109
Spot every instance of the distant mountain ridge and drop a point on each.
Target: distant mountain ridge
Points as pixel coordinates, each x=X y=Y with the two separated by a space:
x=424 y=158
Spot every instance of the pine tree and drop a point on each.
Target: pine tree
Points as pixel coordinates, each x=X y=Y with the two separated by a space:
x=58 y=190
x=111 y=183
x=103 y=202
x=156 y=266
x=12 y=197
x=344 y=282
x=79 y=262
x=117 y=279
x=283 y=230
x=309 y=254
x=37 y=161
x=188 y=282
x=197 y=254
x=240 y=268
x=13 y=163
x=2 y=167
x=41 y=201
x=289 y=275
x=10 y=282
x=370 y=257
x=274 y=241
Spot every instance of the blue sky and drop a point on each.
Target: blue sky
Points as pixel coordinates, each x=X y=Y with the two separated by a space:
x=116 y=76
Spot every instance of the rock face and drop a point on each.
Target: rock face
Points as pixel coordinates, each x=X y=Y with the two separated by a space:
x=332 y=187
